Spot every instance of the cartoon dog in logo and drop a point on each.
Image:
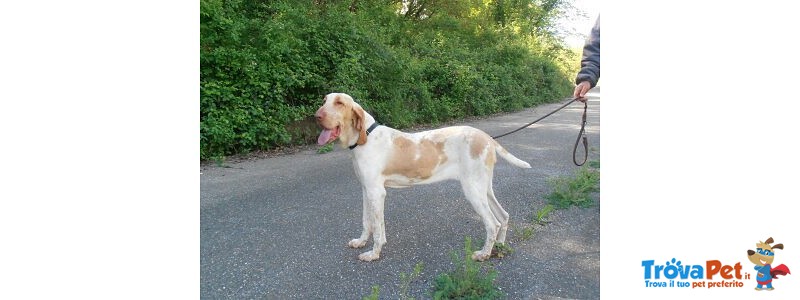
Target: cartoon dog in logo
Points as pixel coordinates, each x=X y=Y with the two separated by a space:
x=763 y=257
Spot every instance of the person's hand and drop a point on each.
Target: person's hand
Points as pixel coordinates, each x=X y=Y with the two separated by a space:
x=580 y=91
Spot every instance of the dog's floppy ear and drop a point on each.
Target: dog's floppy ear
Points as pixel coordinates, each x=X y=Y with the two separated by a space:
x=777 y=246
x=358 y=121
x=769 y=241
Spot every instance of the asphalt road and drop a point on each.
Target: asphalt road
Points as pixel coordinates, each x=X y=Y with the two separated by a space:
x=277 y=228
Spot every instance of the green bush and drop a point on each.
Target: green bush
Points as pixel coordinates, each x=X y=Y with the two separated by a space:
x=265 y=65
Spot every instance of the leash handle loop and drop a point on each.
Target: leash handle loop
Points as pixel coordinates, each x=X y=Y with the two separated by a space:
x=581 y=136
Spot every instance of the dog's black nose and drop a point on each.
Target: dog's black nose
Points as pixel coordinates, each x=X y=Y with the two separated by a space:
x=750 y=252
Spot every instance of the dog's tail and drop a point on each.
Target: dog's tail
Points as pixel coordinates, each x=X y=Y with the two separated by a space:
x=510 y=157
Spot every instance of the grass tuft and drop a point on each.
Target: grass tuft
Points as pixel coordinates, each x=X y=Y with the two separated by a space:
x=575 y=191
x=376 y=291
x=467 y=281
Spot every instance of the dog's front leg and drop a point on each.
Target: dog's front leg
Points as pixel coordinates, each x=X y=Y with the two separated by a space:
x=366 y=221
x=375 y=196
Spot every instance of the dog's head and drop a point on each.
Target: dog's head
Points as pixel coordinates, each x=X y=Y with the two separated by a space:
x=764 y=254
x=341 y=117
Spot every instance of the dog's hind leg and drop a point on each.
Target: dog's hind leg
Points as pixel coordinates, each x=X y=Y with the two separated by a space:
x=498 y=213
x=476 y=194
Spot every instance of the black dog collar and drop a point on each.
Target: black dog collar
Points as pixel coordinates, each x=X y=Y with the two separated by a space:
x=369 y=130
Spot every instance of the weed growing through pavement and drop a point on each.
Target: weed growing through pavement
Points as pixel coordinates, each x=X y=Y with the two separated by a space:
x=467 y=281
x=567 y=192
x=527 y=233
x=405 y=282
x=541 y=217
x=376 y=290
x=406 y=279
x=501 y=250
x=575 y=191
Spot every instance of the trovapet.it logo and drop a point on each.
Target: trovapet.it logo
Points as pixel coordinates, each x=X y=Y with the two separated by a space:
x=710 y=274
x=676 y=274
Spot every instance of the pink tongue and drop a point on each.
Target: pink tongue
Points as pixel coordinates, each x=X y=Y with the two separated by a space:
x=324 y=137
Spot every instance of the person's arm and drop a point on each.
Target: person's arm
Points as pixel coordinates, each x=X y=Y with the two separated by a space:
x=590 y=63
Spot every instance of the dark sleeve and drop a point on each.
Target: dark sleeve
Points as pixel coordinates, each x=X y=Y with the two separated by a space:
x=590 y=63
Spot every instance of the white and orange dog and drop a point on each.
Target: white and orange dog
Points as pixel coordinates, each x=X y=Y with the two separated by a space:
x=385 y=157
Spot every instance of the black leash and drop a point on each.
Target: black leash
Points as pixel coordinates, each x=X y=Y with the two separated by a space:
x=581 y=134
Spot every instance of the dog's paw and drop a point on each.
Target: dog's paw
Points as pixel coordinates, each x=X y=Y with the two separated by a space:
x=357 y=243
x=480 y=256
x=368 y=256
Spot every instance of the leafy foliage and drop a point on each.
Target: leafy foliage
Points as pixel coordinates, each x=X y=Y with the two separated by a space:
x=325 y=148
x=468 y=281
x=265 y=65
x=575 y=191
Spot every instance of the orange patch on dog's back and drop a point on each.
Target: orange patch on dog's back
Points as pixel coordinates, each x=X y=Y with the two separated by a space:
x=477 y=144
x=415 y=160
x=491 y=159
